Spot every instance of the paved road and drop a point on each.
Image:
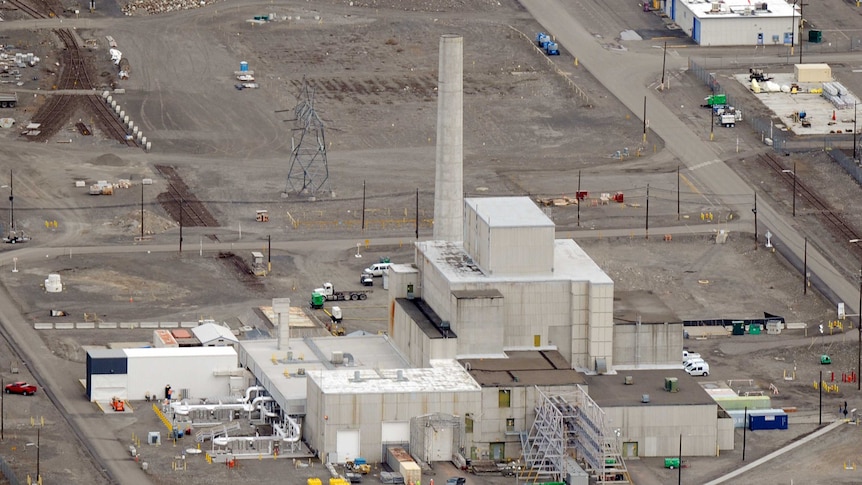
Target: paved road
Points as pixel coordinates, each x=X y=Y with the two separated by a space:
x=627 y=74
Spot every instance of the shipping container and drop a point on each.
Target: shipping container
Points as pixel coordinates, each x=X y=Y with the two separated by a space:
x=756 y=423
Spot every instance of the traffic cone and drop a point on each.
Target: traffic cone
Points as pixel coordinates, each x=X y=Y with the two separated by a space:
x=833 y=115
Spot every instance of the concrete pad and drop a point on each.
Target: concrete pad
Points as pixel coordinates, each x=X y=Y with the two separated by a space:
x=188 y=324
x=149 y=324
x=169 y=324
x=64 y=326
x=108 y=324
x=43 y=326
x=129 y=325
x=85 y=325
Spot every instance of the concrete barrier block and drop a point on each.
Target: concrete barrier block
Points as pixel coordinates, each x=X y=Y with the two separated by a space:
x=128 y=324
x=188 y=324
x=85 y=325
x=43 y=326
x=149 y=324
x=108 y=324
x=64 y=326
x=169 y=324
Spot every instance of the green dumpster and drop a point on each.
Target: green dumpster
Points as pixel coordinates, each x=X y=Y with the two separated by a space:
x=815 y=36
x=738 y=328
x=825 y=359
x=317 y=300
x=754 y=329
x=671 y=463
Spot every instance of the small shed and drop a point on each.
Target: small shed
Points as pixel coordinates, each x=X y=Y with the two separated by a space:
x=214 y=335
x=812 y=73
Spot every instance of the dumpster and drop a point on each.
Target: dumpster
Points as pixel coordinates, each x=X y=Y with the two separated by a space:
x=754 y=329
x=671 y=463
x=815 y=36
x=825 y=359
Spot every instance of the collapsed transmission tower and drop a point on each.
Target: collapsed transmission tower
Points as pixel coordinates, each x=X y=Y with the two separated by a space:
x=309 y=171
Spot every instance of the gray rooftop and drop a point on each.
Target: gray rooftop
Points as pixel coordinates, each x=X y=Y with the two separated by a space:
x=571 y=263
x=425 y=317
x=524 y=368
x=509 y=212
x=611 y=390
x=442 y=376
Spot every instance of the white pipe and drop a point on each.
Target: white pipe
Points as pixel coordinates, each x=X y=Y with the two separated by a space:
x=291 y=437
x=183 y=408
x=250 y=390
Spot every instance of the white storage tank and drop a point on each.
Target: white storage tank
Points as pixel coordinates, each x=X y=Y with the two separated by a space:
x=53 y=284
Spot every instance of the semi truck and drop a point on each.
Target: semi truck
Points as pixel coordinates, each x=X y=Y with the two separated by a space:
x=328 y=293
x=8 y=100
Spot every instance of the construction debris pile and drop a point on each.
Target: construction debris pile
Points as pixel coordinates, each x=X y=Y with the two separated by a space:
x=153 y=7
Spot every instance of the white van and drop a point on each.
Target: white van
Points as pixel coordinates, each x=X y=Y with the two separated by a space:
x=686 y=356
x=690 y=362
x=377 y=269
x=698 y=369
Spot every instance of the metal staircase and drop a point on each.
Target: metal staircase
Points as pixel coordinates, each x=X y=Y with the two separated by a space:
x=567 y=425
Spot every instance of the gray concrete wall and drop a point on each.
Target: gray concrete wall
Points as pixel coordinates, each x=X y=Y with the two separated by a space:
x=657 y=429
x=521 y=251
x=647 y=344
x=479 y=325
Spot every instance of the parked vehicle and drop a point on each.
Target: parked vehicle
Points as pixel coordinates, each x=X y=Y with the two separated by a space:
x=20 y=387
x=456 y=481
x=699 y=369
x=690 y=362
x=377 y=269
x=366 y=279
x=687 y=356
x=328 y=293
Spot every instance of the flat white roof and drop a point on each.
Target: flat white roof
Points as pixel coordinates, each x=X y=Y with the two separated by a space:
x=703 y=9
x=442 y=376
x=571 y=263
x=509 y=212
x=154 y=352
x=314 y=355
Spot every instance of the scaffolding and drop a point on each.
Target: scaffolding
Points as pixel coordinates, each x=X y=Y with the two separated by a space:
x=309 y=171
x=572 y=424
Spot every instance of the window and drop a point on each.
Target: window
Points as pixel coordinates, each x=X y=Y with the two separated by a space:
x=510 y=424
x=505 y=398
x=468 y=423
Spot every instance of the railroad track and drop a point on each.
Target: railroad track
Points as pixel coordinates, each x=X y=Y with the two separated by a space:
x=819 y=206
x=27 y=9
x=75 y=74
x=182 y=205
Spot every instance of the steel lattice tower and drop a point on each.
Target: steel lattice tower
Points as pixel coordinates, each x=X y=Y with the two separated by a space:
x=309 y=171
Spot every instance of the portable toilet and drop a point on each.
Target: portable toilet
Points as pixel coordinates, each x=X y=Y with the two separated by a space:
x=243 y=66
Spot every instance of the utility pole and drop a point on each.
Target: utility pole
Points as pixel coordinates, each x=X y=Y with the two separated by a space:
x=801 y=26
x=578 y=196
x=38 y=450
x=744 y=426
x=647 y=212
x=754 y=210
x=820 y=387
x=268 y=254
x=677 y=192
x=805 y=269
x=363 y=205
x=855 y=133
x=645 y=120
x=2 y=412
x=11 y=205
x=679 y=469
x=142 y=211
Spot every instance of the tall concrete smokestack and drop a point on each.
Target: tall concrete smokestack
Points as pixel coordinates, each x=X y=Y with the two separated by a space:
x=449 y=181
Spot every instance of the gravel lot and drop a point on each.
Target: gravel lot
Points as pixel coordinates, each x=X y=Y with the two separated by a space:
x=372 y=65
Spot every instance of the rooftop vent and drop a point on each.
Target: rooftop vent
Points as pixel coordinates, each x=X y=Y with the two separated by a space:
x=645 y=398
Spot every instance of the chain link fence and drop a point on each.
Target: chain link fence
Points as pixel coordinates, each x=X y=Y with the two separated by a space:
x=7 y=473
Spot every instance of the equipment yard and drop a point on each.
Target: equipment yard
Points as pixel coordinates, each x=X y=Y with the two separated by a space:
x=535 y=124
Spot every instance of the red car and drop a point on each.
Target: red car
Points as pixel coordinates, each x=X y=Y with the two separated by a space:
x=20 y=387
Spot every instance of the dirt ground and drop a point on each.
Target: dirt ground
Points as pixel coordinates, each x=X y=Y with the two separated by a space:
x=372 y=66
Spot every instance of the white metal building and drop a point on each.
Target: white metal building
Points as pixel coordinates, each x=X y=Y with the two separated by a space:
x=214 y=335
x=199 y=372
x=720 y=23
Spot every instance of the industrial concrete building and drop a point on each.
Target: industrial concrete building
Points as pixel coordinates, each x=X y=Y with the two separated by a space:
x=509 y=285
x=720 y=23
x=647 y=334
